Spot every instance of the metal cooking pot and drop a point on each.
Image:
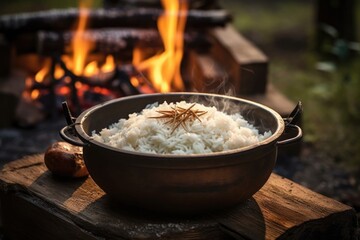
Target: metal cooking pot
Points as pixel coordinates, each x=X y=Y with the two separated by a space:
x=179 y=184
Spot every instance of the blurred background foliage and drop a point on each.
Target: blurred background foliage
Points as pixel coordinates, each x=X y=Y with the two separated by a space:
x=325 y=76
x=323 y=73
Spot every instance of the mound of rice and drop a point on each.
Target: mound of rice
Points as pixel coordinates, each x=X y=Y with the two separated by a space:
x=216 y=132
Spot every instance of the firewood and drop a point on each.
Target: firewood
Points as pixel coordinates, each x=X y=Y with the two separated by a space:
x=246 y=64
x=105 y=40
x=194 y=4
x=64 y=19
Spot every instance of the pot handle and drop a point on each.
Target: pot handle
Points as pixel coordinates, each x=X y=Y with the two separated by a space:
x=68 y=132
x=297 y=136
x=290 y=126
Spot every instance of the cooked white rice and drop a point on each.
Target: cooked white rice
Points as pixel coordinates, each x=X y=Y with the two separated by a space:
x=216 y=132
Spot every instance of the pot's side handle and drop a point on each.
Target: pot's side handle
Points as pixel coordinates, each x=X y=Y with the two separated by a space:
x=297 y=136
x=295 y=115
x=68 y=134
x=290 y=126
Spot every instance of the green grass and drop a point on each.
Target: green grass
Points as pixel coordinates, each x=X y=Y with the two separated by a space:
x=264 y=19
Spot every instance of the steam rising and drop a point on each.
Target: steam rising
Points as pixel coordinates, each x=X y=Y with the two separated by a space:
x=252 y=113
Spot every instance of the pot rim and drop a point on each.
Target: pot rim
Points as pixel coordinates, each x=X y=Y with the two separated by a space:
x=88 y=140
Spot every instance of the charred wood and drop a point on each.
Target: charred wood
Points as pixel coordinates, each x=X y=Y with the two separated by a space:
x=64 y=19
x=104 y=40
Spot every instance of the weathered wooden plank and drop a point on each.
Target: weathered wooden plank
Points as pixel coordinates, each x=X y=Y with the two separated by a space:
x=246 y=64
x=282 y=209
x=206 y=74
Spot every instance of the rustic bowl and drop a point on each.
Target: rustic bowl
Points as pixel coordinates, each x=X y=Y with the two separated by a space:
x=179 y=184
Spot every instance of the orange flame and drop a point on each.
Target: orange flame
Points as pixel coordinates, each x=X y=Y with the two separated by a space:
x=109 y=64
x=40 y=75
x=164 y=69
x=78 y=61
x=59 y=72
x=91 y=69
x=80 y=46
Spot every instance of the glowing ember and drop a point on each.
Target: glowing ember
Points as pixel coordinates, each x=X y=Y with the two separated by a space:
x=134 y=81
x=40 y=75
x=164 y=69
x=59 y=72
x=91 y=69
x=63 y=91
x=109 y=64
x=35 y=94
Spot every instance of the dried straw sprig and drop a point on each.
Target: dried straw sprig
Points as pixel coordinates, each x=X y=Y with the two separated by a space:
x=179 y=116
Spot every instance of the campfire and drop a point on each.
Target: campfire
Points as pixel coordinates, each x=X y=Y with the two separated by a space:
x=87 y=56
x=72 y=76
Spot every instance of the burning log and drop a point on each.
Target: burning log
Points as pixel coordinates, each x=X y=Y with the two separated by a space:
x=97 y=88
x=194 y=4
x=64 y=19
x=106 y=40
